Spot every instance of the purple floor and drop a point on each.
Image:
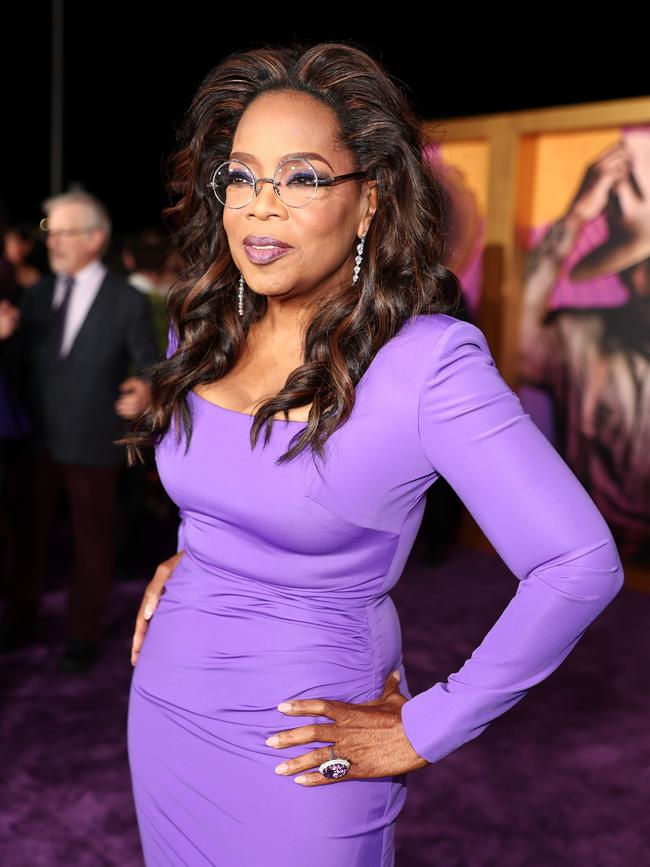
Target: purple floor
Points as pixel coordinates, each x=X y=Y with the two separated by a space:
x=563 y=778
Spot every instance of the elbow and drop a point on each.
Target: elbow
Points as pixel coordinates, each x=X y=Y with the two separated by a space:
x=618 y=579
x=610 y=568
x=593 y=573
x=612 y=581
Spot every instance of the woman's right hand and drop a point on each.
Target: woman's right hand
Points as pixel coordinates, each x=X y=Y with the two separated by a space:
x=155 y=589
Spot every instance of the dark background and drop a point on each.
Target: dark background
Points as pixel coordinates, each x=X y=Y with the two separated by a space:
x=131 y=70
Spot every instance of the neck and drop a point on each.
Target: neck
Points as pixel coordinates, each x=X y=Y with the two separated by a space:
x=281 y=324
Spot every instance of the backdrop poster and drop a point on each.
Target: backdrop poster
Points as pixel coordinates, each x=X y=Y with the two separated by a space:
x=462 y=167
x=583 y=224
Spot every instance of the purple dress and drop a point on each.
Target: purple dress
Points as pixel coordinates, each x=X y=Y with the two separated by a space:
x=283 y=592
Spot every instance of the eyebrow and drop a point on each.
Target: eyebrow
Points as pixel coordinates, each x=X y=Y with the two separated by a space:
x=309 y=155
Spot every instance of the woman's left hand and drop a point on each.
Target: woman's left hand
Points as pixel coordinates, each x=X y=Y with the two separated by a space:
x=370 y=735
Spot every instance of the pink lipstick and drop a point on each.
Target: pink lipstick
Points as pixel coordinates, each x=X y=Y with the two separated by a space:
x=265 y=249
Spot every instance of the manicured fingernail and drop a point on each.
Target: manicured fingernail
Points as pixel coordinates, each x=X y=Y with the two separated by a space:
x=273 y=741
x=284 y=705
x=148 y=613
x=397 y=675
x=282 y=769
x=300 y=779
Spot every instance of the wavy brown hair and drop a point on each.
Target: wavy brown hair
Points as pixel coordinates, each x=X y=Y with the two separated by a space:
x=401 y=276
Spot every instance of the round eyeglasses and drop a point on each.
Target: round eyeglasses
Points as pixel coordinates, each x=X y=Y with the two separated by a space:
x=295 y=182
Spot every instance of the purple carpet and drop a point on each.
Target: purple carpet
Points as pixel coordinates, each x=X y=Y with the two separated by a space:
x=562 y=779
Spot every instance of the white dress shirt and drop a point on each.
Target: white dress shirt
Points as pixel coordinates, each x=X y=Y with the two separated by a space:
x=87 y=284
x=141 y=283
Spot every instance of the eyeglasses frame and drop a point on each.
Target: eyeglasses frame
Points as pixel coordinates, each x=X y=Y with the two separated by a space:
x=64 y=233
x=325 y=182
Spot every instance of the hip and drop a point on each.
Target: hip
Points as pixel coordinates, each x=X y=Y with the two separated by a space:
x=225 y=653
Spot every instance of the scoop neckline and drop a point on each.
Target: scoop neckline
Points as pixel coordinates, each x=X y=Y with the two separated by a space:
x=244 y=414
x=293 y=421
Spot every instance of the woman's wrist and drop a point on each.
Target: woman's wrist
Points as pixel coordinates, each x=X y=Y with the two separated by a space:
x=559 y=240
x=573 y=220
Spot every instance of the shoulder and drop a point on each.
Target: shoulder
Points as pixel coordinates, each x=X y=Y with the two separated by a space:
x=461 y=379
x=418 y=358
x=426 y=340
x=429 y=328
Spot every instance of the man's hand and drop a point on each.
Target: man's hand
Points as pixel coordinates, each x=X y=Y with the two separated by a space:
x=135 y=398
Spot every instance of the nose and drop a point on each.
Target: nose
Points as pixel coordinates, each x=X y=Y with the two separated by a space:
x=259 y=184
x=265 y=200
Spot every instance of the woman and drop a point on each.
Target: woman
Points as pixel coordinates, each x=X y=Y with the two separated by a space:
x=314 y=304
x=23 y=260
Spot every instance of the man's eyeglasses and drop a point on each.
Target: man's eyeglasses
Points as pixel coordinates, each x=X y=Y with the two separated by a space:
x=63 y=233
x=295 y=182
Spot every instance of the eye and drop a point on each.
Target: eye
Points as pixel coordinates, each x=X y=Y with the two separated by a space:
x=238 y=178
x=306 y=179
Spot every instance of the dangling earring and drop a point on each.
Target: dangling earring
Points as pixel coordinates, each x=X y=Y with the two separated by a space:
x=358 y=258
x=241 y=295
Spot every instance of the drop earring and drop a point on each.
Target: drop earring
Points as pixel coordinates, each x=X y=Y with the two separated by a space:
x=358 y=259
x=240 y=299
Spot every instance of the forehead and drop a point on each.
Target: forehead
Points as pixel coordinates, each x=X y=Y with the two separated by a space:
x=67 y=213
x=277 y=124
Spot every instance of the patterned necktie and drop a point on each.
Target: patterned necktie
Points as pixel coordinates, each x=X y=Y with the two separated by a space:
x=60 y=314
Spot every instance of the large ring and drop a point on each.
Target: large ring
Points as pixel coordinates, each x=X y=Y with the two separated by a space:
x=335 y=767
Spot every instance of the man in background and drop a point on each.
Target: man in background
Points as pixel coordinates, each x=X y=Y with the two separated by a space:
x=79 y=360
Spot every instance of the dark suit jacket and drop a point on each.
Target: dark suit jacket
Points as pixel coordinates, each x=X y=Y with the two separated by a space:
x=70 y=401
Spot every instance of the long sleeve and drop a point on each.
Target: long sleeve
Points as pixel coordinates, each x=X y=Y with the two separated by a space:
x=172 y=343
x=540 y=520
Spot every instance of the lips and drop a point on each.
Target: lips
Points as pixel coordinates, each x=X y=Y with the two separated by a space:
x=265 y=241
x=260 y=249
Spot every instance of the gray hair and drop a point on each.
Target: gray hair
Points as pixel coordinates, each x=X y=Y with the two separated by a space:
x=99 y=216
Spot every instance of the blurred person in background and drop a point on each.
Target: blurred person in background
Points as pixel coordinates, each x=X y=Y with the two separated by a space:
x=13 y=420
x=14 y=425
x=23 y=259
x=79 y=360
x=144 y=257
x=141 y=497
x=9 y=318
